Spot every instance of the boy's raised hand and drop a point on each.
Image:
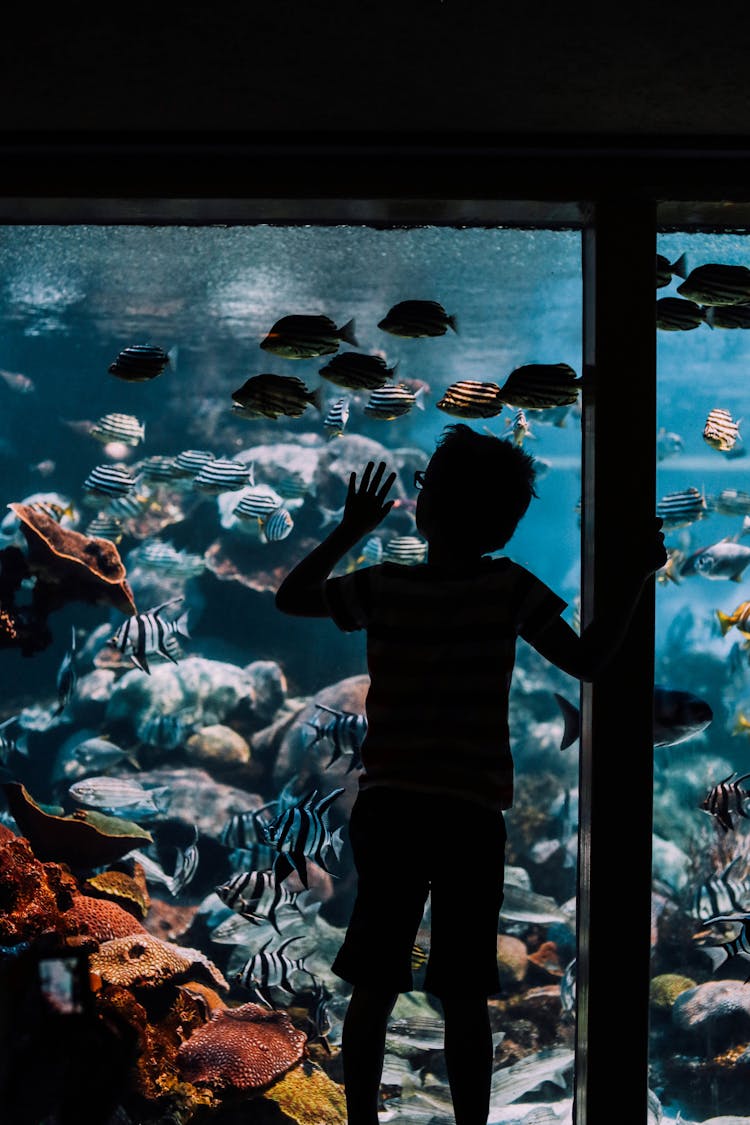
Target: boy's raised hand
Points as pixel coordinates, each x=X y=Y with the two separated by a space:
x=366 y=506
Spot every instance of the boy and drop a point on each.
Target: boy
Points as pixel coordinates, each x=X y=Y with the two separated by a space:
x=437 y=767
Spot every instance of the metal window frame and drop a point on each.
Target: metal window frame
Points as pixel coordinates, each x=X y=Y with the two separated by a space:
x=619 y=191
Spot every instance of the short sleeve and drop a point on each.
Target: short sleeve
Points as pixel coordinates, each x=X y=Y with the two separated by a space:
x=349 y=599
x=537 y=605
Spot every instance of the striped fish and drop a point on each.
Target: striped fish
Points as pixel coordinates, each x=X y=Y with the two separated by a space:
x=293 y=485
x=539 y=386
x=160 y=468
x=728 y=316
x=721 y=431
x=140 y=362
x=675 y=314
x=271 y=968
x=346 y=731
x=335 y=420
x=115 y=794
x=146 y=634
x=271 y=396
x=519 y=428
x=738 y=946
x=726 y=800
x=67 y=676
x=739 y=617
x=392 y=400
x=277 y=525
x=409 y=550
x=223 y=475
x=191 y=461
x=186 y=865
x=165 y=558
x=165 y=731
x=128 y=507
x=301 y=832
x=258 y=895
x=372 y=552
x=10 y=745
x=109 y=480
x=105 y=526
x=568 y=987
x=731 y=502
x=665 y=270
x=257 y=502
x=469 y=398
x=416 y=319
x=358 y=372
x=722 y=893
x=717 y=284
x=119 y=427
x=680 y=509
x=305 y=337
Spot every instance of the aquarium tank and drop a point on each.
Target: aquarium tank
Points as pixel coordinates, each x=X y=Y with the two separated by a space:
x=182 y=408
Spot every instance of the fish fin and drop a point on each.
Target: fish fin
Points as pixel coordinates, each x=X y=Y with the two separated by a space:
x=141 y=663
x=316 y=398
x=307 y=904
x=282 y=867
x=160 y=797
x=725 y=621
x=736 y=578
x=181 y=625
x=173 y=355
x=716 y=954
x=132 y=757
x=453 y=322
x=337 y=841
x=22 y=745
x=680 y=267
x=419 y=398
x=346 y=333
x=572 y=720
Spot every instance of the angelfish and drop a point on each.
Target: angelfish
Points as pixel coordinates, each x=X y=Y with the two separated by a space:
x=67 y=676
x=146 y=634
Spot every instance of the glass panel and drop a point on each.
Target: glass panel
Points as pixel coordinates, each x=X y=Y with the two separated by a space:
x=699 y=1001
x=190 y=724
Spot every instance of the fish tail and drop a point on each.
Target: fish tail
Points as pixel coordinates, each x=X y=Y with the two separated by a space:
x=337 y=842
x=419 y=398
x=708 y=316
x=453 y=322
x=173 y=355
x=347 y=334
x=181 y=625
x=572 y=720
x=725 y=621
x=680 y=267
x=316 y=398
x=716 y=954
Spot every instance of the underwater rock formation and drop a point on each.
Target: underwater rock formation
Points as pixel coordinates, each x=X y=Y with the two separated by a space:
x=95 y=920
x=144 y=961
x=33 y=894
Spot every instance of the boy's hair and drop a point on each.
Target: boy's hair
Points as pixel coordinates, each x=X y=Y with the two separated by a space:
x=485 y=480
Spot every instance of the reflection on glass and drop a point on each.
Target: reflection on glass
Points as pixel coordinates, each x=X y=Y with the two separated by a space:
x=701 y=893
x=212 y=713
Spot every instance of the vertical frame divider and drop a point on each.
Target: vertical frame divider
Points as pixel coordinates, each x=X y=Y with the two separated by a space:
x=616 y=748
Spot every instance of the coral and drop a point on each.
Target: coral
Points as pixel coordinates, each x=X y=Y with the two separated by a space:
x=308 y=1096
x=244 y=1048
x=129 y=891
x=664 y=989
x=32 y=893
x=145 y=961
x=98 y=920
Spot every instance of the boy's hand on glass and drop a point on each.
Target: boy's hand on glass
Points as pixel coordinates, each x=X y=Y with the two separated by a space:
x=366 y=506
x=659 y=552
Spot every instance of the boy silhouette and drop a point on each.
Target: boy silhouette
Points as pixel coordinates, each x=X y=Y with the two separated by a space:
x=437 y=767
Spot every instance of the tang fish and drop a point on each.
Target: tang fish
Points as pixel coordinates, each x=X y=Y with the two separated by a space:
x=140 y=362
x=113 y=794
x=66 y=676
x=222 y=474
x=392 y=400
x=739 y=617
x=270 y=968
x=680 y=509
x=146 y=634
x=417 y=319
x=408 y=550
x=110 y=481
x=469 y=398
x=301 y=832
x=191 y=461
x=725 y=800
x=346 y=731
x=717 y=284
x=271 y=396
x=277 y=525
x=728 y=316
x=675 y=314
x=358 y=372
x=678 y=716
x=538 y=386
x=665 y=270
x=335 y=420
x=722 y=560
x=720 y=431
x=119 y=427
x=305 y=337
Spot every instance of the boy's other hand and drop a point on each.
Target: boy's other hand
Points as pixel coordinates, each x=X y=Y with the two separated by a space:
x=366 y=506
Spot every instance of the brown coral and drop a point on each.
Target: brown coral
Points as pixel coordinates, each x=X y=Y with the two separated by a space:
x=129 y=891
x=32 y=894
x=98 y=920
x=145 y=961
x=308 y=1096
x=243 y=1048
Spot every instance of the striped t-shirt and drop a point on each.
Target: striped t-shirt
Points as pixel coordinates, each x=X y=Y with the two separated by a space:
x=440 y=653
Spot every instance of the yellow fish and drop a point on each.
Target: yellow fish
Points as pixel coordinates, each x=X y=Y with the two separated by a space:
x=740 y=617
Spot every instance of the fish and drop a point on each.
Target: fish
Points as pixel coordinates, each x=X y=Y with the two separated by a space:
x=301 y=832
x=335 y=420
x=165 y=731
x=665 y=270
x=539 y=386
x=16 y=381
x=356 y=371
x=119 y=427
x=675 y=314
x=726 y=800
x=257 y=502
x=269 y=968
x=741 y=724
x=138 y=363
x=731 y=502
x=164 y=557
x=509 y=1083
x=670 y=572
x=728 y=316
x=737 y=946
x=722 y=893
x=414 y=320
x=294 y=485
x=519 y=428
x=109 y=480
x=86 y=756
x=568 y=986
x=191 y=461
x=105 y=526
x=274 y=396
x=470 y=398
x=66 y=676
x=10 y=745
x=717 y=284
x=392 y=400
x=305 y=337
x=739 y=617
x=55 y=511
x=346 y=731
x=408 y=550
x=721 y=431
x=668 y=444
x=372 y=551
x=115 y=794
x=678 y=716
x=186 y=865
x=146 y=634
x=726 y=559
x=249 y=892
x=682 y=508
x=44 y=468
x=277 y=525
x=159 y=468
x=222 y=474
x=521 y=904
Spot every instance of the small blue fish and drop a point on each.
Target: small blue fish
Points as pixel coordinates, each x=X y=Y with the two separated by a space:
x=67 y=676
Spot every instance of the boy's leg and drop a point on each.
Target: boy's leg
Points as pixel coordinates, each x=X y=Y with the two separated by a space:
x=362 y=1050
x=468 y=1055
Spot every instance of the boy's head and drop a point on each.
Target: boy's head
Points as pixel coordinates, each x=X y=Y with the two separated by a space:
x=476 y=489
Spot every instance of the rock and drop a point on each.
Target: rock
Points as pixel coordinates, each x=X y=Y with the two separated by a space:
x=718 y=1010
x=92 y=695
x=196 y=799
x=512 y=959
x=217 y=745
x=269 y=687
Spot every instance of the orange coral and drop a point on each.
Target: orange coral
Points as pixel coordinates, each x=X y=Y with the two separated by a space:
x=99 y=920
x=129 y=891
x=243 y=1048
x=32 y=894
x=145 y=961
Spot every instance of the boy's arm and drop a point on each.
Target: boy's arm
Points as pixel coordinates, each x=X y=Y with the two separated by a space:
x=302 y=593
x=586 y=656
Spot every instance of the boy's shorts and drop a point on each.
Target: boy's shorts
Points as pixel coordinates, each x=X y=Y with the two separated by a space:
x=407 y=845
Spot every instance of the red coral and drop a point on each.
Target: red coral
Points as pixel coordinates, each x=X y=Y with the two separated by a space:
x=99 y=919
x=32 y=894
x=243 y=1048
